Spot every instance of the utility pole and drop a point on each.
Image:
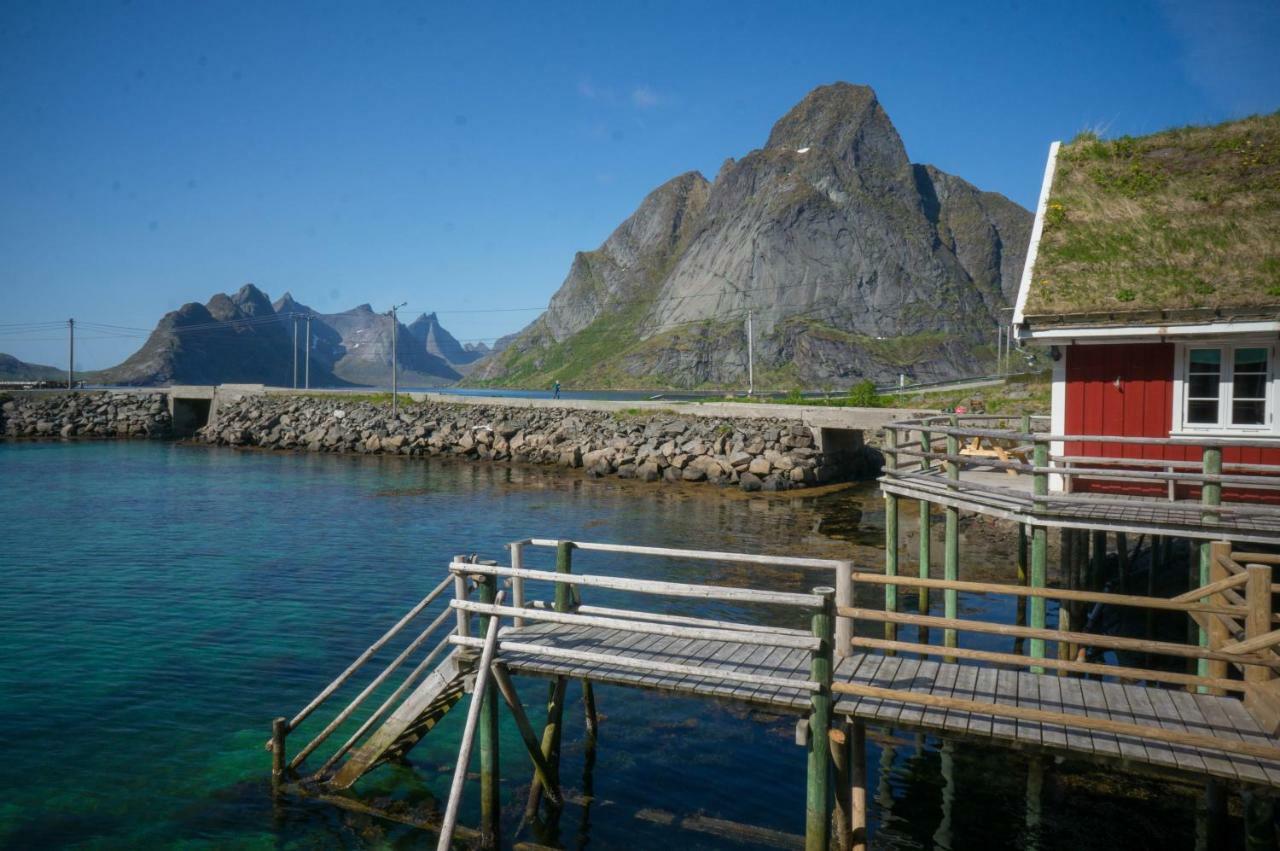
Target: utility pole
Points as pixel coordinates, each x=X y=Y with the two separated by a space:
x=751 y=359
x=395 y=386
x=71 y=356
x=295 y=351
x=307 y=385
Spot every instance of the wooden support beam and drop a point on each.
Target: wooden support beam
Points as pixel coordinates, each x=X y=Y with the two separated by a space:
x=1039 y=576
x=951 y=545
x=891 y=535
x=543 y=770
x=279 y=730
x=818 y=786
x=552 y=732
x=842 y=814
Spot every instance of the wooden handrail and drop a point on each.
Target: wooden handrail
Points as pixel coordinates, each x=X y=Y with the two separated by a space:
x=1176 y=604
x=723 y=632
x=1088 y=639
x=695 y=555
x=646 y=586
x=1211 y=588
x=1105 y=725
x=1016 y=660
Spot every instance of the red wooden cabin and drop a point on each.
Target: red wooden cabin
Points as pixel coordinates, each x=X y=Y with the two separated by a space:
x=1182 y=360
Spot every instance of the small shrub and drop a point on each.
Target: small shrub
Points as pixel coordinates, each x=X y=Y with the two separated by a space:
x=864 y=395
x=1126 y=295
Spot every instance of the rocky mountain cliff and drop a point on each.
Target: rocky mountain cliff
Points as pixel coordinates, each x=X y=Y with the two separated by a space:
x=852 y=262
x=244 y=338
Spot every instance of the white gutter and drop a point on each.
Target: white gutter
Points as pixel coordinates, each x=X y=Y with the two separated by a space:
x=1037 y=229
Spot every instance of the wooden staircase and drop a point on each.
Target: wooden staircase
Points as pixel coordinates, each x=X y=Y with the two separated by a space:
x=411 y=720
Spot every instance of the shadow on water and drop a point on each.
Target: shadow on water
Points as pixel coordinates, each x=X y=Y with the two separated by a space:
x=194 y=594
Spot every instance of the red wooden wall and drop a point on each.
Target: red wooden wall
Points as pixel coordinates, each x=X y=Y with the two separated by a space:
x=1139 y=405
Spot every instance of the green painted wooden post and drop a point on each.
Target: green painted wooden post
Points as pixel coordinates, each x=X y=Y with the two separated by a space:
x=1210 y=497
x=818 y=788
x=551 y=734
x=490 y=802
x=891 y=534
x=1039 y=548
x=926 y=525
x=951 y=549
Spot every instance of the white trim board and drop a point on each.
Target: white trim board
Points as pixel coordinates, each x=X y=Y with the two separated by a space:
x=1037 y=228
x=1083 y=335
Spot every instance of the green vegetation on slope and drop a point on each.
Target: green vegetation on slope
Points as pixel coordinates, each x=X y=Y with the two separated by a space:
x=1182 y=219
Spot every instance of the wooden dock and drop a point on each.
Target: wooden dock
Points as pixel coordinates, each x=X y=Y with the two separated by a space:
x=835 y=676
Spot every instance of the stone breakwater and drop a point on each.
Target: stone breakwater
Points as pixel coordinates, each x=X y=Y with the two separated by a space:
x=753 y=454
x=85 y=415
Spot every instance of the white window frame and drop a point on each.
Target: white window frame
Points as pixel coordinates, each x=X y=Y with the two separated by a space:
x=1225 y=388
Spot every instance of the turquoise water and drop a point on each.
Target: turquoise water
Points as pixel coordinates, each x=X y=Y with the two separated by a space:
x=159 y=604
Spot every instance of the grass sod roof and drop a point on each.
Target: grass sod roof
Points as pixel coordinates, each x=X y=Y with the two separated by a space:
x=1181 y=225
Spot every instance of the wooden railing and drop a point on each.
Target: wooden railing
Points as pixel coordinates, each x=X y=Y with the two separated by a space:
x=954 y=444
x=566 y=608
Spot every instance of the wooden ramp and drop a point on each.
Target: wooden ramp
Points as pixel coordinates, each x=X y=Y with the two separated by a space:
x=1172 y=709
x=411 y=720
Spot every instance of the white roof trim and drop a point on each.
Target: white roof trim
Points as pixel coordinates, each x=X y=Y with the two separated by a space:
x=1149 y=333
x=1036 y=230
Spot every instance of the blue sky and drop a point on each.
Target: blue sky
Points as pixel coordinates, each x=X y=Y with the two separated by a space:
x=153 y=153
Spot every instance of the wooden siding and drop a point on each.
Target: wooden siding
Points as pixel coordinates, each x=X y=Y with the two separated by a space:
x=1139 y=405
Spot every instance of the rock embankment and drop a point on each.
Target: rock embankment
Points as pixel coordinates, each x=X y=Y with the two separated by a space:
x=102 y=414
x=750 y=453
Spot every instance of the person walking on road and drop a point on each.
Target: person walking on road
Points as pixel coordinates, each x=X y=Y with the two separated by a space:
x=555 y=390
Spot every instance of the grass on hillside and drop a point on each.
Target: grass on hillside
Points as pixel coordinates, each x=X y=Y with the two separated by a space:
x=1022 y=394
x=1182 y=219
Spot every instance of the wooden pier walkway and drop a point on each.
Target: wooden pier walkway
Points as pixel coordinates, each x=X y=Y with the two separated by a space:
x=525 y=652
x=826 y=670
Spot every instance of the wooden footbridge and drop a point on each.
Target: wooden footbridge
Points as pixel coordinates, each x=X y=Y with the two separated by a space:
x=815 y=653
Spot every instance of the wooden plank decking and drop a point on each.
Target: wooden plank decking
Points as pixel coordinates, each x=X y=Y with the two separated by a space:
x=1220 y=717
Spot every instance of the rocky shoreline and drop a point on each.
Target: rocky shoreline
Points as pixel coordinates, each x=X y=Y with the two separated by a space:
x=752 y=454
x=85 y=415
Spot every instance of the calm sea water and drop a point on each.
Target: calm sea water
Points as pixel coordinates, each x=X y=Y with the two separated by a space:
x=159 y=604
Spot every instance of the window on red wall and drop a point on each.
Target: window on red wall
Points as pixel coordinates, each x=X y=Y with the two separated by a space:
x=1225 y=388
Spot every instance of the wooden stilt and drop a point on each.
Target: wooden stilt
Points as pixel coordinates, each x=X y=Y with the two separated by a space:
x=926 y=556
x=490 y=795
x=551 y=734
x=589 y=709
x=543 y=770
x=947 y=766
x=1259 y=819
x=818 y=787
x=1211 y=820
x=951 y=549
x=1210 y=498
x=1039 y=549
x=858 y=785
x=891 y=534
x=842 y=814
x=1035 y=796
x=279 y=730
x=1066 y=556
x=1122 y=560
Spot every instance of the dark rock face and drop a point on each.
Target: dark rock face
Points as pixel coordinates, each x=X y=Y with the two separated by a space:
x=852 y=261
x=244 y=338
x=752 y=454
x=85 y=415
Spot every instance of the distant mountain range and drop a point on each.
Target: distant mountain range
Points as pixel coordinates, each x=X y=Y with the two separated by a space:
x=12 y=369
x=852 y=262
x=244 y=338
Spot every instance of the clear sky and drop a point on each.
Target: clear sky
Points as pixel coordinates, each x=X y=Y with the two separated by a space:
x=454 y=156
